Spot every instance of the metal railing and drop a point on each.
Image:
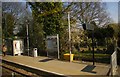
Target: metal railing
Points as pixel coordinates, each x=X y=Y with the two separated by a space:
x=114 y=65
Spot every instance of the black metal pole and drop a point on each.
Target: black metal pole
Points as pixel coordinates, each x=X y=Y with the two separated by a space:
x=27 y=38
x=93 y=47
x=27 y=27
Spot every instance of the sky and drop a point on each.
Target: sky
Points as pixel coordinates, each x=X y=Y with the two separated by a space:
x=112 y=9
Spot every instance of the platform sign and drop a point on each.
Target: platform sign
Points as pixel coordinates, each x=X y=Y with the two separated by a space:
x=17 y=47
x=52 y=44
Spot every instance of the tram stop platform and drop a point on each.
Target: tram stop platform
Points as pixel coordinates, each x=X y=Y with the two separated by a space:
x=57 y=67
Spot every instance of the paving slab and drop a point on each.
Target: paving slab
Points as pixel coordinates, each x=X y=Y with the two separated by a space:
x=57 y=67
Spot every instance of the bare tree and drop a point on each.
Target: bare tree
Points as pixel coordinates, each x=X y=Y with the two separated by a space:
x=89 y=11
x=18 y=11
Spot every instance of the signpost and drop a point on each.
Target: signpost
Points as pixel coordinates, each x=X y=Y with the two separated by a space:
x=91 y=28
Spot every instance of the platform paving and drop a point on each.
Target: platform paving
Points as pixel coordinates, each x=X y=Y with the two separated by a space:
x=58 y=67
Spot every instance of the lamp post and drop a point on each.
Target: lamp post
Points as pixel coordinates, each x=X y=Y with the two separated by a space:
x=69 y=35
x=93 y=47
x=6 y=26
x=27 y=33
x=27 y=37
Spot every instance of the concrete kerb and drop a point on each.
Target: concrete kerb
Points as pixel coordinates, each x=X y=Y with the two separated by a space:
x=50 y=72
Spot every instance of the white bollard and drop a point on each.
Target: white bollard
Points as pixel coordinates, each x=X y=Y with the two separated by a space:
x=13 y=74
x=35 y=52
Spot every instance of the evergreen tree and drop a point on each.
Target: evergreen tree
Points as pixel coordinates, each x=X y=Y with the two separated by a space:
x=47 y=21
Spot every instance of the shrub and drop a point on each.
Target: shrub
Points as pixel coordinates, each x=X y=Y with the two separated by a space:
x=110 y=49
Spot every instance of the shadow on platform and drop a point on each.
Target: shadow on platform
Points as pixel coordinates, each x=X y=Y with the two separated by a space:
x=89 y=69
x=45 y=60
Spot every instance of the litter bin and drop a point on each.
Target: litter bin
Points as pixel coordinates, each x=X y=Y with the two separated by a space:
x=34 y=52
x=67 y=56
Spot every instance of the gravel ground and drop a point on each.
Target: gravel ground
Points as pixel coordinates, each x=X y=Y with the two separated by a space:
x=10 y=73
